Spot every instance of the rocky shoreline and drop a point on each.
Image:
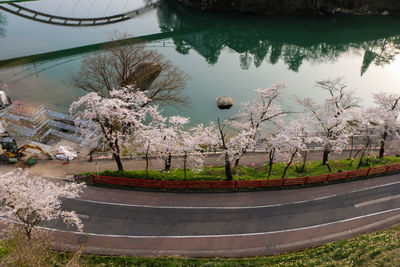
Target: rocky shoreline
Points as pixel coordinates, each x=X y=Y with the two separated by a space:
x=301 y=7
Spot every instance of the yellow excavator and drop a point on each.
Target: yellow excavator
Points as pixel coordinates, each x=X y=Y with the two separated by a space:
x=11 y=150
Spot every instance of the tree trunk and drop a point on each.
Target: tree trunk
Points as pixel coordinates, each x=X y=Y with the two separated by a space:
x=361 y=158
x=228 y=171
x=116 y=154
x=325 y=157
x=168 y=163
x=28 y=231
x=271 y=161
x=329 y=167
x=118 y=161
x=290 y=162
x=237 y=162
x=147 y=166
x=369 y=153
x=303 y=168
x=146 y=156
x=184 y=165
x=352 y=146
x=382 y=149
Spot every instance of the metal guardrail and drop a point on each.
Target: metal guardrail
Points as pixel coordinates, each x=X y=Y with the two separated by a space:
x=237 y=185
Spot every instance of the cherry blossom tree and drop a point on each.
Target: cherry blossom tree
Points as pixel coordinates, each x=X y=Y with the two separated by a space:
x=150 y=138
x=223 y=136
x=171 y=139
x=248 y=123
x=240 y=143
x=192 y=140
x=292 y=141
x=270 y=148
x=114 y=119
x=331 y=118
x=385 y=117
x=262 y=110
x=32 y=200
x=192 y=157
x=367 y=132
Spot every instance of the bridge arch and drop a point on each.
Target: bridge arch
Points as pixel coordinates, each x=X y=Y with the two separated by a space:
x=38 y=16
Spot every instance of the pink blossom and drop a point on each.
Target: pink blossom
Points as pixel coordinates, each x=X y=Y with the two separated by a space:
x=32 y=200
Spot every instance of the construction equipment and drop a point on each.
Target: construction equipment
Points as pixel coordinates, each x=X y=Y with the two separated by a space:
x=11 y=150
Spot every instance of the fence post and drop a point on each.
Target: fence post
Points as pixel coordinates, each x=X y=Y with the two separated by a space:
x=369 y=169
x=93 y=179
x=387 y=168
x=162 y=185
x=236 y=184
x=305 y=180
x=327 y=177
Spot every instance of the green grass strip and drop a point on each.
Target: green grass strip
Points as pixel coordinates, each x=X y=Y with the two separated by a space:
x=376 y=249
x=242 y=173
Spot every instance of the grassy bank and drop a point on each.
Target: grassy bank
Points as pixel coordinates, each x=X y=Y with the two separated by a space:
x=217 y=173
x=376 y=249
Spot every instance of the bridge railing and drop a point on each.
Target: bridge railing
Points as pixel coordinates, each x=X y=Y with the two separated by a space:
x=237 y=185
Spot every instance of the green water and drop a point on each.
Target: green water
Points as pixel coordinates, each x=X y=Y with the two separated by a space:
x=229 y=54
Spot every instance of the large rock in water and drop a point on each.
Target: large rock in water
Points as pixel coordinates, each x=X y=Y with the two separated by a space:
x=359 y=7
x=224 y=102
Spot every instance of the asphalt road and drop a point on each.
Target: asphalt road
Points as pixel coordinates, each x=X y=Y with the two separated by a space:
x=128 y=220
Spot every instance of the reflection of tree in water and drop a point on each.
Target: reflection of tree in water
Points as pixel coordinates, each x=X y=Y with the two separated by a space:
x=3 y=22
x=290 y=39
x=380 y=52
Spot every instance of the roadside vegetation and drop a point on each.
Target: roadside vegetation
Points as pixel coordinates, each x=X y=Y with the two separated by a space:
x=376 y=249
x=125 y=122
x=242 y=173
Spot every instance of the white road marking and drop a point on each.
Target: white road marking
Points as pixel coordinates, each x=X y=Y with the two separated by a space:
x=376 y=201
x=228 y=235
x=199 y=208
x=229 y=208
x=83 y=216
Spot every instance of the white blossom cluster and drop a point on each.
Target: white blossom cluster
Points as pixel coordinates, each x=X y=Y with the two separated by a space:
x=32 y=200
x=127 y=118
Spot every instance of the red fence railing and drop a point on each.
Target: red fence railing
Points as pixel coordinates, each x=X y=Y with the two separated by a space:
x=235 y=185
